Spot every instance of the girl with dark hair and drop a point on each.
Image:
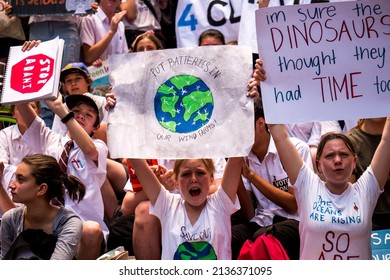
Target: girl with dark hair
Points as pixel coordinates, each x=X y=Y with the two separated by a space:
x=39 y=181
x=211 y=37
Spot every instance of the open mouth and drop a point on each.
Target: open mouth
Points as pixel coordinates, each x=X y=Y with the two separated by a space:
x=194 y=191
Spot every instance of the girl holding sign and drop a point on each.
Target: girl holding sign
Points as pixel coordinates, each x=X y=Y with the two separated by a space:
x=194 y=224
x=335 y=215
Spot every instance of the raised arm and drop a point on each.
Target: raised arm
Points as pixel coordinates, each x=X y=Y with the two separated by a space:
x=78 y=134
x=291 y=160
x=130 y=8
x=232 y=176
x=247 y=210
x=92 y=53
x=381 y=160
x=27 y=113
x=286 y=200
x=150 y=184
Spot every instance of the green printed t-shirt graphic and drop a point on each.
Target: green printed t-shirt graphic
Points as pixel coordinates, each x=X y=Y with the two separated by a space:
x=195 y=251
x=183 y=104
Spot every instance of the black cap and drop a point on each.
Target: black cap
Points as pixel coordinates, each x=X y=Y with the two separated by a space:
x=91 y=100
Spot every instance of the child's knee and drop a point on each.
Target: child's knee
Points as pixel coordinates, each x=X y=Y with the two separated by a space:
x=142 y=209
x=92 y=233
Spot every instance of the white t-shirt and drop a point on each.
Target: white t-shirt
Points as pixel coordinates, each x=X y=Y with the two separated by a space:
x=335 y=226
x=208 y=238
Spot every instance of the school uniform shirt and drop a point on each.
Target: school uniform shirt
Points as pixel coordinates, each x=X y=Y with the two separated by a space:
x=210 y=236
x=94 y=28
x=92 y=174
x=271 y=169
x=335 y=227
x=12 y=146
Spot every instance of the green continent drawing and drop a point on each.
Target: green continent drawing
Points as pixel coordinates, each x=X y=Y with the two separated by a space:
x=195 y=251
x=183 y=104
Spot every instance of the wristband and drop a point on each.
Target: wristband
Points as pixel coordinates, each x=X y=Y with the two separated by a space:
x=67 y=117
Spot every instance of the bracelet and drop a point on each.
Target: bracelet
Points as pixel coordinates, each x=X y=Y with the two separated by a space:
x=67 y=117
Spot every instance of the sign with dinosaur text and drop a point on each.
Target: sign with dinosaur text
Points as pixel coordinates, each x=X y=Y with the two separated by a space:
x=325 y=61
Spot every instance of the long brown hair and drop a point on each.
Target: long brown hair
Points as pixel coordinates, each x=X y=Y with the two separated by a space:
x=45 y=169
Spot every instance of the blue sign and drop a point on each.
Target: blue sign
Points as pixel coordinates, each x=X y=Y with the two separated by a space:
x=380 y=243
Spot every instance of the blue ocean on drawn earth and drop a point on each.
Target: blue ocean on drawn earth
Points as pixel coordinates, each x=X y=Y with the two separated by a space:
x=183 y=104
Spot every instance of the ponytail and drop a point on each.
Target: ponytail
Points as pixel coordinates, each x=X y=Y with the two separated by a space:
x=76 y=189
x=45 y=169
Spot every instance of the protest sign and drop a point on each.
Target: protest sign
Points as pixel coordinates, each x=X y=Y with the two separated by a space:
x=34 y=74
x=247 y=34
x=100 y=78
x=181 y=103
x=380 y=244
x=325 y=61
x=51 y=7
x=194 y=17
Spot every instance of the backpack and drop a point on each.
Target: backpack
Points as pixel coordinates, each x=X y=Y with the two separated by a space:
x=121 y=232
x=265 y=247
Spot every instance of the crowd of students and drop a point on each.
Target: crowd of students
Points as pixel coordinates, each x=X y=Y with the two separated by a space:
x=308 y=184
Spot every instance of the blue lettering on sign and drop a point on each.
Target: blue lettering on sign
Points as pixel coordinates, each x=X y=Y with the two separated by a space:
x=188 y=18
x=380 y=244
x=192 y=22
